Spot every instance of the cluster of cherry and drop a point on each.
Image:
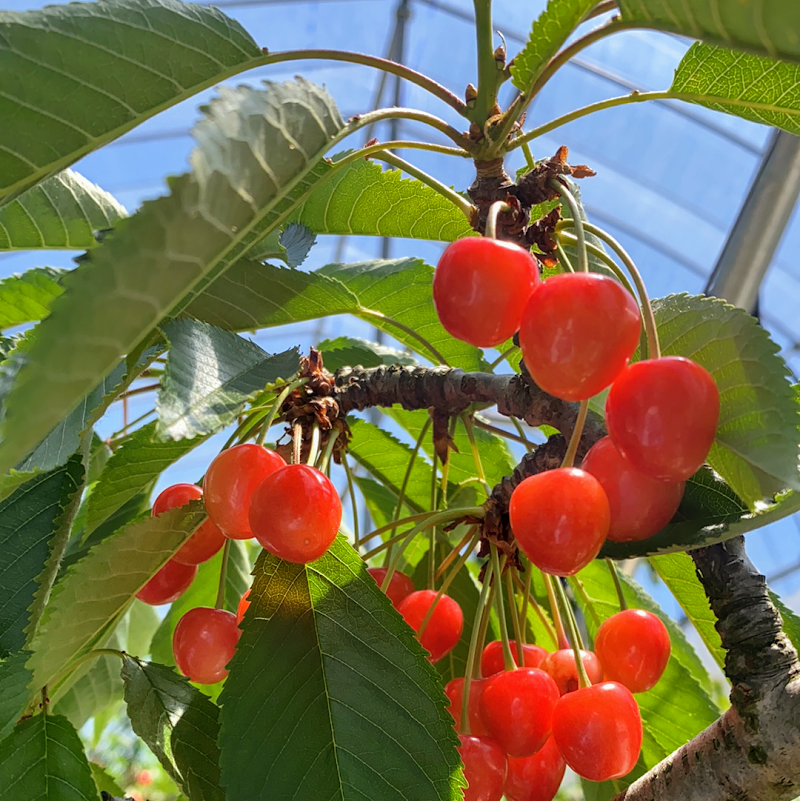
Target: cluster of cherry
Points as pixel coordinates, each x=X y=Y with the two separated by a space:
x=249 y=491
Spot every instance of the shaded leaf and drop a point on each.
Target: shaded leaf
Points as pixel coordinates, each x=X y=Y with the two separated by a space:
x=178 y=723
x=297 y=241
x=210 y=376
x=323 y=639
x=26 y=298
x=14 y=693
x=62 y=211
x=43 y=759
x=57 y=104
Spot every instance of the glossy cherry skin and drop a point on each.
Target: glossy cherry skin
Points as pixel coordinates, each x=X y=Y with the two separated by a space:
x=633 y=646
x=454 y=690
x=168 y=584
x=562 y=669
x=598 y=730
x=229 y=483
x=560 y=519
x=517 y=708
x=481 y=287
x=577 y=332
x=485 y=768
x=444 y=627
x=206 y=541
x=203 y=643
x=537 y=777
x=295 y=513
x=400 y=585
x=662 y=415
x=244 y=603
x=492 y=657
x=640 y=505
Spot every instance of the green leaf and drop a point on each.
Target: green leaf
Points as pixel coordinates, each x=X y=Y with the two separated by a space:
x=756 y=88
x=105 y=781
x=14 y=693
x=97 y=589
x=210 y=376
x=172 y=246
x=203 y=592
x=313 y=705
x=62 y=212
x=179 y=725
x=44 y=759
x=678 y=572
x=550 y=31
x=79 y=75
x=768 y=28
x=132 y=468
x=791 y=622
x=26 y=298
x=757 y=441
x=365 y=199
x=34 y=528
x=351 y=351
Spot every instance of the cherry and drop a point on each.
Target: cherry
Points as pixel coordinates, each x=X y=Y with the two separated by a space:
x=485 y=768
x=481 y=287
x=577 y=332
x=168 y=584
x=444 y=627
x=564 y=672
x=203 y=643
x=598 y=730
x=560 y=519
x=662 y=416
x=244 y=603
x=537 y=777
x=492 y=657
x=640 y=505
x=517 y=708
x=229 y=482
x=633 y=647
x=295 y=513
x=454 y=690
x=399 y=587
x=206 y=541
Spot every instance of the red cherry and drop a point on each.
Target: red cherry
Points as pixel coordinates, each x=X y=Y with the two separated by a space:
x=537 y=777
x=517 y=708
x=481 y=287
x=485 y=768
x=640 y=505
x=206 y=541
x=577 y=332
x=244 y=603
x=492 y=657
x=229 y=483
x=454 y=690
x=560 y=519
x=203 y=643
x=168 y=584
x=399 y=587
x=564 y=672
x=633 y=647
x=598 y=730
x=295 y=513
x=445 y=624
x=662 y=416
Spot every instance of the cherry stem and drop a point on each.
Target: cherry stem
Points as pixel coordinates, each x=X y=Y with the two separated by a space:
x=654 y=349
x=448 y=560
x=460 y=202
x=612 y=568
x=328 y=452
x=521 y=433
x=112 y=440
x=297 y=443
x=502 y=432
x=597 y=252
x=514 y=615
x=575 y=211
x=546 y=624
x=481 y=613
x=353 y=502
x=476 y=668
x=371 y=314
x=491 y=217
x=563 y=258
x=476 y=454
x=276 y=407
x=577 y=585
x=223 y=575
x=432 y=531
x=601 y=8
x=487 y=65
x=575 y=436
x=140 y=391
x=313 y=450
x=526 y=594
x=575 y=636
x=529 y=159
x=561 y=637
x=401 y=521
x=508 y=657
x=504 y=355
